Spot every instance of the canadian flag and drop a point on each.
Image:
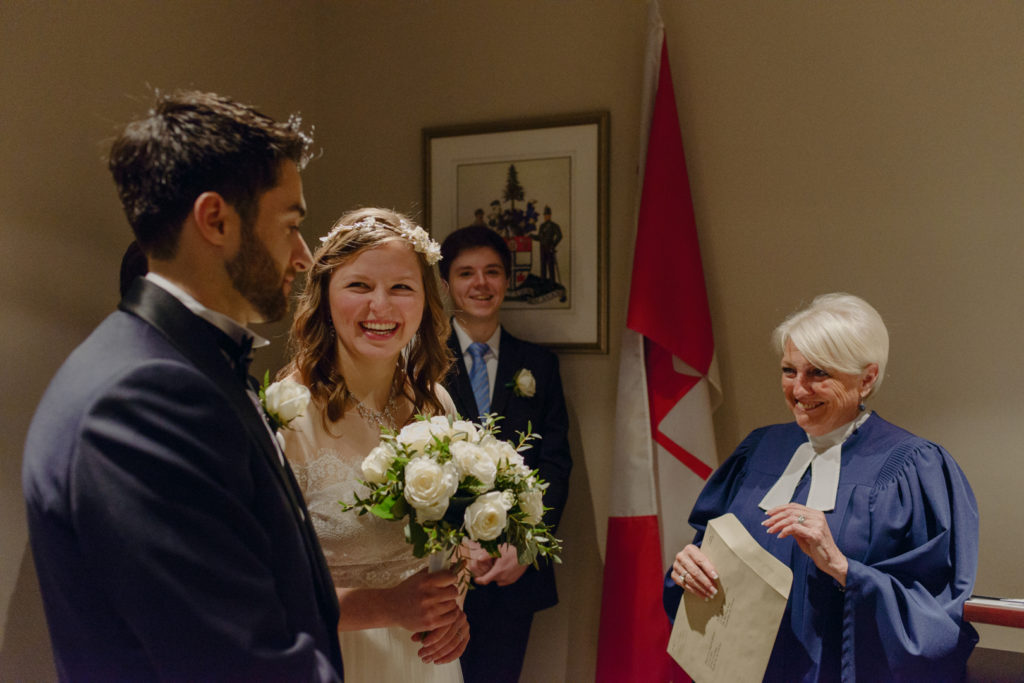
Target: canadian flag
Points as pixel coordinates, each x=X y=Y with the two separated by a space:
x=664 y=441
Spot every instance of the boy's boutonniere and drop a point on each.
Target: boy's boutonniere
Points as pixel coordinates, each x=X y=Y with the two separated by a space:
x=282 y=401
x=523 y=384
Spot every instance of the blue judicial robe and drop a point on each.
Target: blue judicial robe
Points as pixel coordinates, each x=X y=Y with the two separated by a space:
x=906 y=519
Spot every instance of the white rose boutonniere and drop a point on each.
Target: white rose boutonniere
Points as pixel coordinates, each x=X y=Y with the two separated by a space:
x=282 y=401
x=523 y=384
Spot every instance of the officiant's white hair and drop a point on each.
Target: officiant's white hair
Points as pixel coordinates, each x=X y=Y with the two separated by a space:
x=837 y=332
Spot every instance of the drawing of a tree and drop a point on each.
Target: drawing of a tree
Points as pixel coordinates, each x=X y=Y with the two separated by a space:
x=513 y=190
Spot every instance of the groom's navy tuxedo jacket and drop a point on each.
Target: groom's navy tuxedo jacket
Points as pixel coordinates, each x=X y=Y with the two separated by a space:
x=169 y=538
x=545 y=412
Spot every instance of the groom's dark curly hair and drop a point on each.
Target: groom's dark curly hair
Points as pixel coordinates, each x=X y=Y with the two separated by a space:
x=196 y=142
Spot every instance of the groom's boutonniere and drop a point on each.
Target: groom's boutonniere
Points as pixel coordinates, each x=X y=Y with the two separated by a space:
x=282 y=401
x=523 y=384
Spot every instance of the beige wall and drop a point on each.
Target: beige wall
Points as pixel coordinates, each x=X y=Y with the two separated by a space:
x=873 y=147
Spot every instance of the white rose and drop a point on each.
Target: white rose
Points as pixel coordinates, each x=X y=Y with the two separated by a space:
x=492 y=448
x=428 y=486
x=286 y=400
x=502 y=454
x=486 y=518
x=440 y=422
x=526 y=385
x=416 y=436
x=474 y=461
x=509 y=456
x=532 y=504
x=441 y=427
x=463 y=430
x=377 y=463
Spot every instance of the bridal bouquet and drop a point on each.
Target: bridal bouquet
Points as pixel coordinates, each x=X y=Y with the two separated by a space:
x=454 y=479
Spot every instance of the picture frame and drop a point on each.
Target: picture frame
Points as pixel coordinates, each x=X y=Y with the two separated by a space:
x=542 y=184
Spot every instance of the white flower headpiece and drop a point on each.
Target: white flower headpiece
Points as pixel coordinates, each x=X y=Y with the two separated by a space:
x=416 y=236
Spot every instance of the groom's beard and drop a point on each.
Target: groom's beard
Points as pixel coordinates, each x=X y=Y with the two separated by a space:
x=256 y=277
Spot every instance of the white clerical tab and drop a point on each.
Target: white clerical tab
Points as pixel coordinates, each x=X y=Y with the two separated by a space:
x=824 y=455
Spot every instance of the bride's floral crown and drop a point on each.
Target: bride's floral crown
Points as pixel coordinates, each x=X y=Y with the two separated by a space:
x=414 y=234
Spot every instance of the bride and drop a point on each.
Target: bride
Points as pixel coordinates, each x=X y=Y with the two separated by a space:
x=368 y=340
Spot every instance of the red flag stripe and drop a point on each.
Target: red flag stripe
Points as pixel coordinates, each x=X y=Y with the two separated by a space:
x=672 y=311
x=632 y=617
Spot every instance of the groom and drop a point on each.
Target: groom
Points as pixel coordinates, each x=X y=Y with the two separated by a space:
x=167 y=531
x=495 y=372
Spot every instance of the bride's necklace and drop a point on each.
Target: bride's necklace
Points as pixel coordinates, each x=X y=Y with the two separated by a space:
x=380 y=418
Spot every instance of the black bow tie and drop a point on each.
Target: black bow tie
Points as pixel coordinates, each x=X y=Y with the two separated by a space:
x=239 y=353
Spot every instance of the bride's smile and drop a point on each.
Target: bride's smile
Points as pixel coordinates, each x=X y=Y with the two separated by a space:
x=376 y=302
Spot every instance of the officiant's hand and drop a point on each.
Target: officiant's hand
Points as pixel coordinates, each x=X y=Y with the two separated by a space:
x=694 y=572
x=812 y=534
x=505 y=570
x=445 y=644
x=425 y=601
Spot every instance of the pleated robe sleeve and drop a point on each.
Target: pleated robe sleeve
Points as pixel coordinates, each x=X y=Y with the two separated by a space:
x=904 y=598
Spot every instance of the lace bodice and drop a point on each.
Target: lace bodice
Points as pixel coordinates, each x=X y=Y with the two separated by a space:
x=362 y=551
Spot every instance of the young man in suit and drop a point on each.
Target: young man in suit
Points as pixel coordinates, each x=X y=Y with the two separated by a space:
x=495 y=372
x=169 y=537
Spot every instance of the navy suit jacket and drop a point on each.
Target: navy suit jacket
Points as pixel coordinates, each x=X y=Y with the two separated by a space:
x=545 y=412
x=169 y=538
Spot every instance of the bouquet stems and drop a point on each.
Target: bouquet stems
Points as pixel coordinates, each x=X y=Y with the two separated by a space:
x=437 y=562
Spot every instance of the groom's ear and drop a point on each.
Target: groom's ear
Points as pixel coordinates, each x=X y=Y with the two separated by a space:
x=217 y=221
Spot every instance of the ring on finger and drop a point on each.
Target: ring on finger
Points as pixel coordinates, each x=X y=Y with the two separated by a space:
x=682 y=577
x=801 y=519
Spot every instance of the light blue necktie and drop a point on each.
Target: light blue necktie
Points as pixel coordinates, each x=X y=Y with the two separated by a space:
x=478 y=376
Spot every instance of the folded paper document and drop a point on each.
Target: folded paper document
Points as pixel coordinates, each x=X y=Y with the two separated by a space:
x=730 y=637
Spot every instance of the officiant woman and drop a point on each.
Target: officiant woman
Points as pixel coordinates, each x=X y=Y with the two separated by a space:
x=879 y=526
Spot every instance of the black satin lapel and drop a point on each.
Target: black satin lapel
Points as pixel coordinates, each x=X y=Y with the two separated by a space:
x=510 y=361
x=461 y=389
x=196 y=340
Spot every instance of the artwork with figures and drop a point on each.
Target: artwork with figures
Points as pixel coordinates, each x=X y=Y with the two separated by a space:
x=541 y=185
x=527 y=202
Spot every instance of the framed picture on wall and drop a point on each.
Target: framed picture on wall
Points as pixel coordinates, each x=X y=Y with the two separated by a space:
x=542 y=184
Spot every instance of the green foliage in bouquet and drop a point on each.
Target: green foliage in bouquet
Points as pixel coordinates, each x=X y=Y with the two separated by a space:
x=453 y=479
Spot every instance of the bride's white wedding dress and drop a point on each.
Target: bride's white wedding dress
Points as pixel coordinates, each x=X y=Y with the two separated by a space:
x=362 y=551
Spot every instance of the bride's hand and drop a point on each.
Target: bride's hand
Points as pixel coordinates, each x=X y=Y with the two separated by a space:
x=425 y=601
x=445 y=644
